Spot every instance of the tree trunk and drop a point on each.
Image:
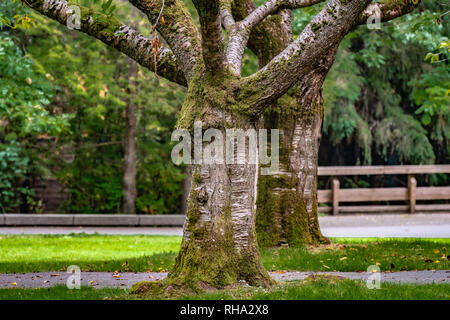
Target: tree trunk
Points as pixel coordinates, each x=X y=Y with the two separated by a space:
x=186 y=188
x=219 y=246
x=287 y=207
x=130 y=157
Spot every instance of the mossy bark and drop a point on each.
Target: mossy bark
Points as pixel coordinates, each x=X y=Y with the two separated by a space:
x=287 y=206
x=287 y=202
x=219 y=246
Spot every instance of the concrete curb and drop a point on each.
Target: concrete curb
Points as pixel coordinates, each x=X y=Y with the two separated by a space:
x=104 y=220
x=38 y=219
x=162 y=220
x=177 y=220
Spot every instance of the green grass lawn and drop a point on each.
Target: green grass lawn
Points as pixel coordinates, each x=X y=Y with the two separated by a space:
x=60 y=293
x=319 y=288
x=32 y=253
x=324 y=288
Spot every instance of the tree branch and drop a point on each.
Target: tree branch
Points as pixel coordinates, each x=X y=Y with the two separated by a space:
x=115 y=34
x=388 y=10
x=273 y=6
x=268 y=38
x=240 y=32
x=226 y=14
x=322 y=34
x=178 y=30
x=211 y=30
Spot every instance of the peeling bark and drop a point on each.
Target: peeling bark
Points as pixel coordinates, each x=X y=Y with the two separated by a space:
x=219 y=246
x=186 y=189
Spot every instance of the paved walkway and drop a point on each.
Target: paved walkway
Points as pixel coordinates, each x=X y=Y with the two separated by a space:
x=126 y=280
x=380 y=225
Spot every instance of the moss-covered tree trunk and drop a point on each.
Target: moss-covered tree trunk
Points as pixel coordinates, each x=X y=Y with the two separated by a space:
x=287 y=207
x=219 y=246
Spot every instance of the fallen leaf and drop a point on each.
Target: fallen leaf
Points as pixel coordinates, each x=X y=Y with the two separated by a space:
x=14 y=283
x=343 y=258
x=436 y=251
x=116 y=275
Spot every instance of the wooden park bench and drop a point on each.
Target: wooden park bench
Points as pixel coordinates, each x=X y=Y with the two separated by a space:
x=412 y=193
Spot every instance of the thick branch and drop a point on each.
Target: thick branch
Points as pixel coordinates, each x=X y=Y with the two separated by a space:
x=268 y=38
x=322 y=34
x=240 y=32
x=273 y=6
x=178 y=30
x=211 y=29
x=112 y=32
x=226 y=14
x=388 y=11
